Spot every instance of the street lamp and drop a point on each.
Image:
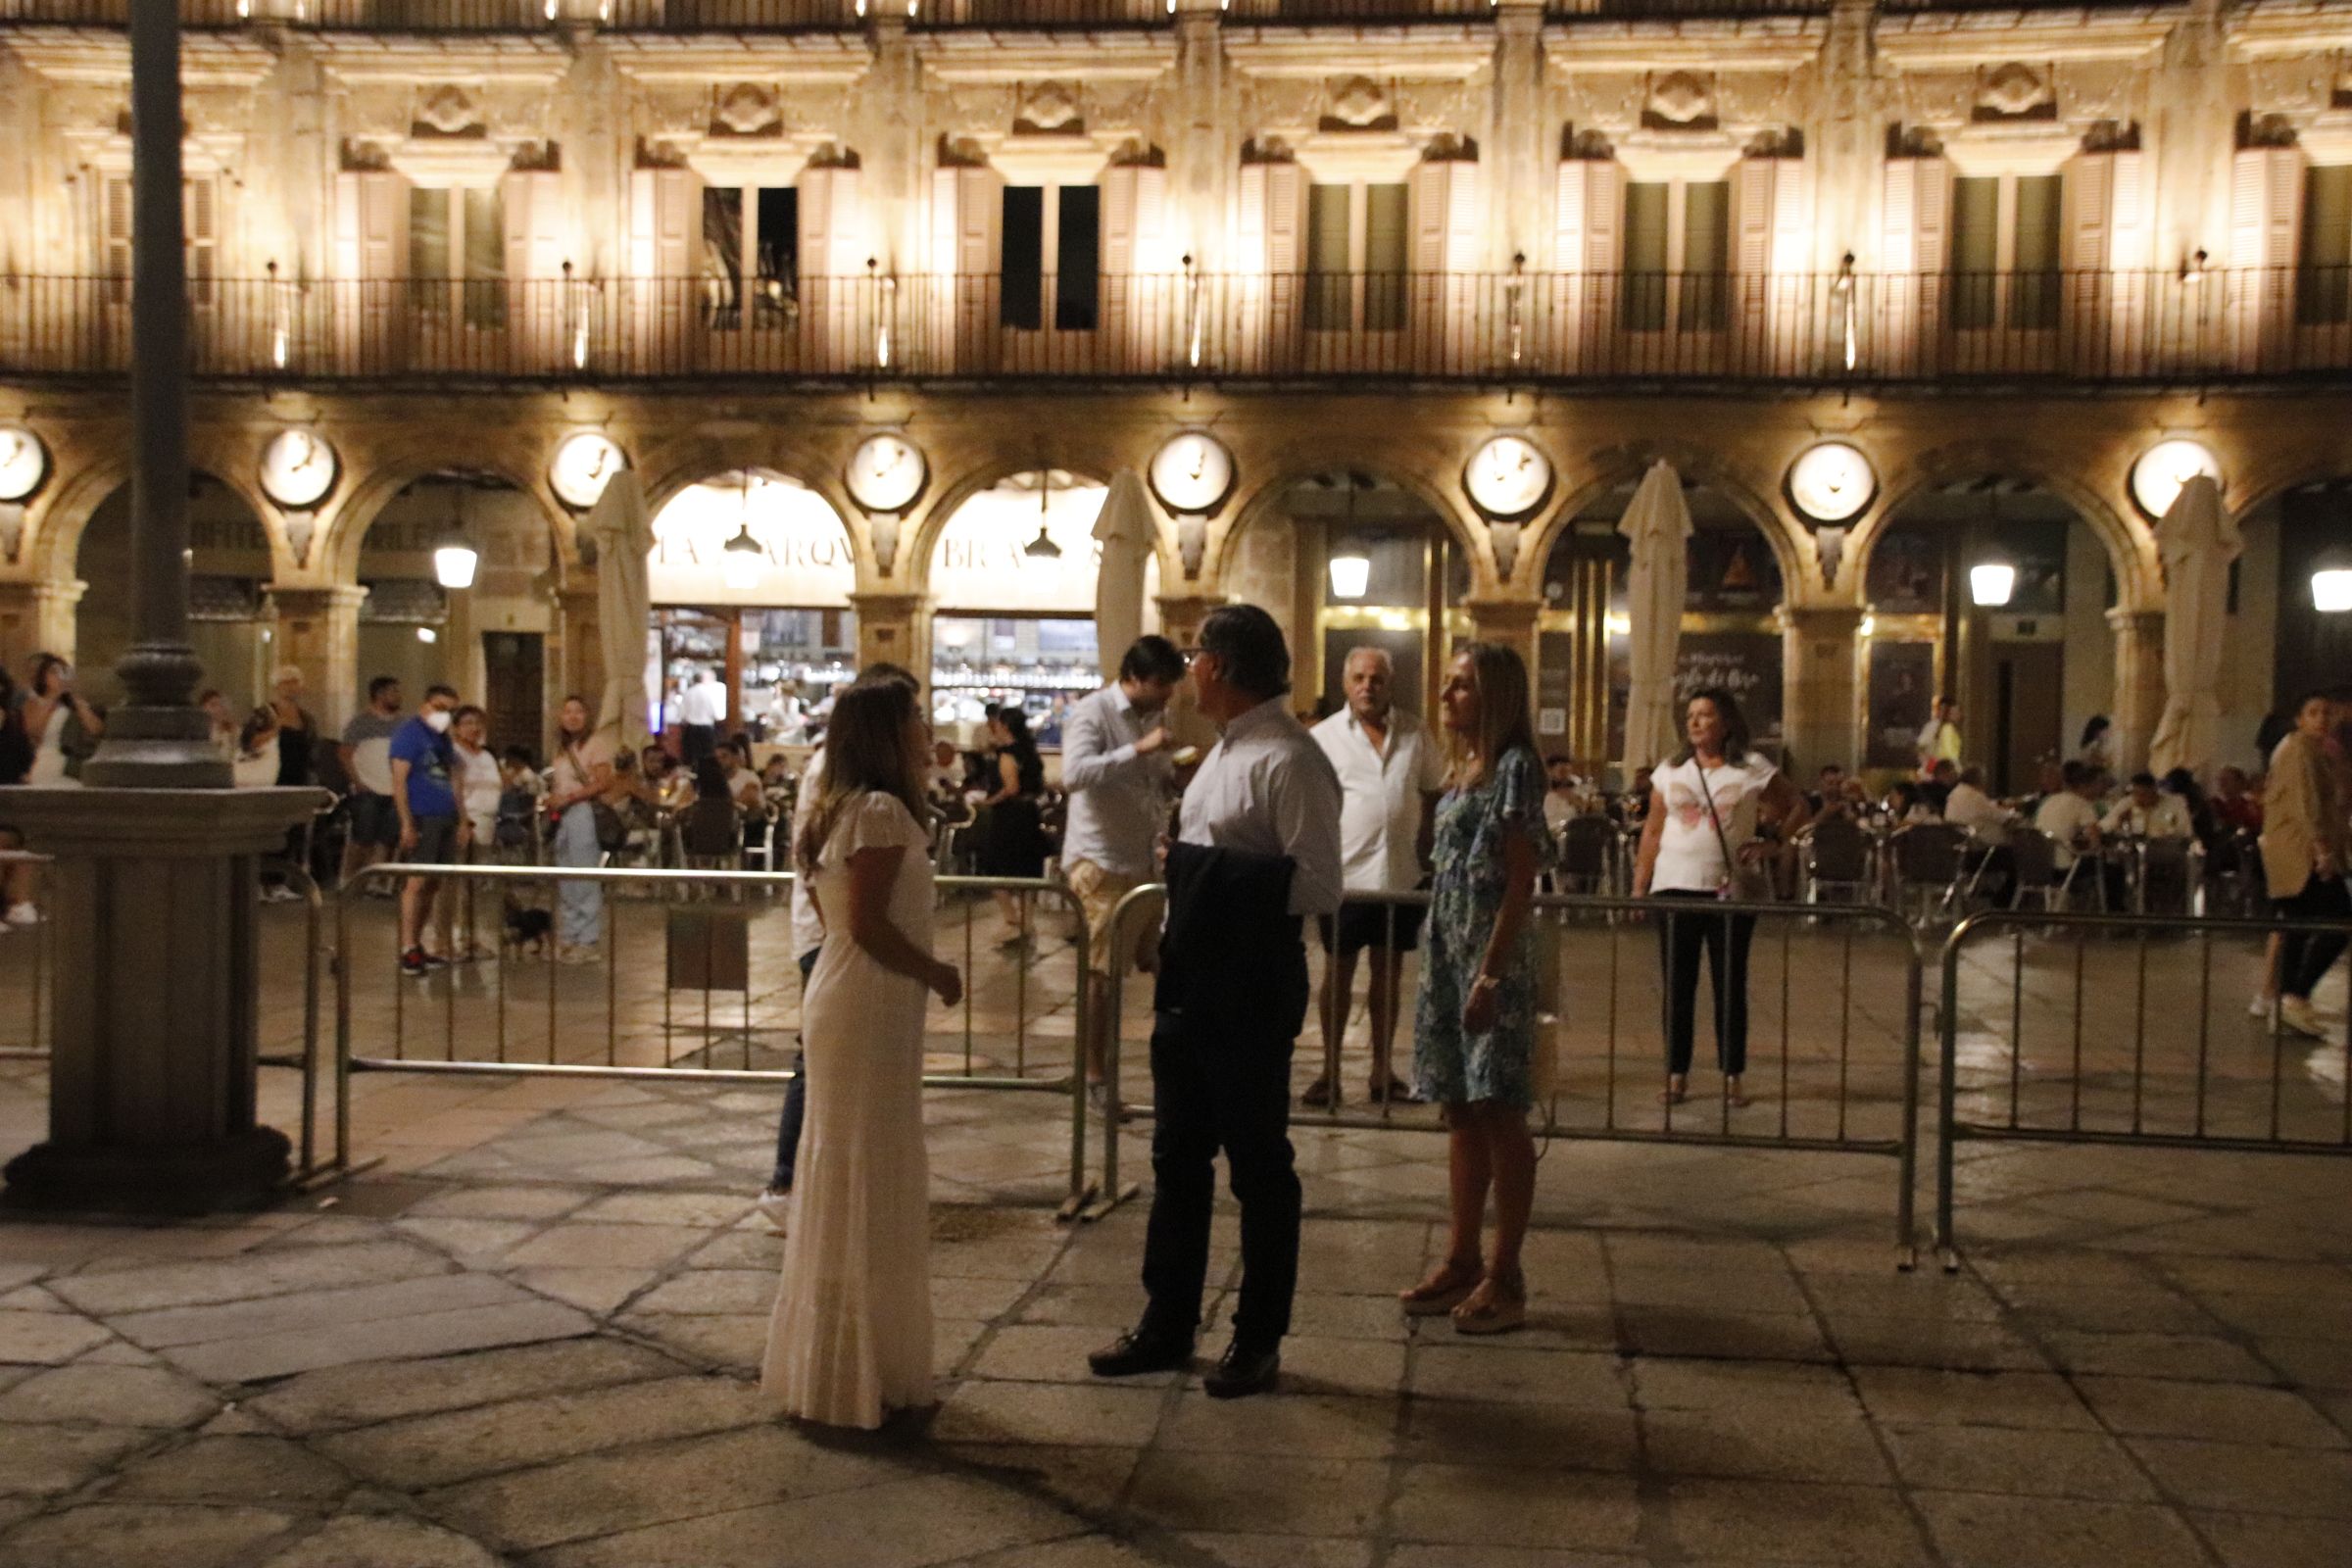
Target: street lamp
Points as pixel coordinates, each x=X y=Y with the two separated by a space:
x=1350 y=572
x=1990 y=583
x=2331 y=589
x=741 y=557
x=453 y=559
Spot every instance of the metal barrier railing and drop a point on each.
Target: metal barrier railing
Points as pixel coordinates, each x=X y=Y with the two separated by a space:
x=2078 y=1061
x=28 y=959
x=714 y=934
x=1839 y=1081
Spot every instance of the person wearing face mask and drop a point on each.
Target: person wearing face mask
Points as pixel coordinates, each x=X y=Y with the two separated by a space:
x=432 y=830
x=1115 y=766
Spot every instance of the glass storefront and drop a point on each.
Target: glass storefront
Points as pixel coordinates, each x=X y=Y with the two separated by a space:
x=781 y=667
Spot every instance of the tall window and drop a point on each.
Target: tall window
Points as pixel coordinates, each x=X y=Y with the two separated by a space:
x=1678 y=256
x=752 y=232
x=457 y=254
x=200 y=229
x=2005 y=246
x=1356 y=257
x=1066 y=224
x=2324 y=273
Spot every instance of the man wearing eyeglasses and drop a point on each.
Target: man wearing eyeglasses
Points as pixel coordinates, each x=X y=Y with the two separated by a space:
x=1256 y=850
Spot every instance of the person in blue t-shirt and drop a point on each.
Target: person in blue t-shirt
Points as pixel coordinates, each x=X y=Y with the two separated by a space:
x=432 y=830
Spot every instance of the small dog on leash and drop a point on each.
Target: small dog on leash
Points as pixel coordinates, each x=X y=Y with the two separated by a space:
x=528 y=930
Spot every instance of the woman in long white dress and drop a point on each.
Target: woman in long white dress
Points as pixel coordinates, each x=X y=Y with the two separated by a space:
x=52 y=706
x=851 y=1338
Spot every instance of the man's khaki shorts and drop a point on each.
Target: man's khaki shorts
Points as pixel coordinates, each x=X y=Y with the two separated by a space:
x=1098 y=894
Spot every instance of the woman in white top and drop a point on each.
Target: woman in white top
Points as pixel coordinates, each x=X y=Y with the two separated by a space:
x=1700 y=833
x=53 y=706
x=254 y=751
x=582 y=774
x=478 y=779
x=850 y=1339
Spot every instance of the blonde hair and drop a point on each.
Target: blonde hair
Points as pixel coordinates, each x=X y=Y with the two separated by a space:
x=1505 y=720
x=865 y=752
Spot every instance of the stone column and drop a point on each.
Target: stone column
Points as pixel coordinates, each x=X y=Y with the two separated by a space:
x=1819 y=705
x=318 y=634
x=2138 y=684
x=579 y=651
x=891 y=150
x=1203 y=157
x=1508 y=622
x=36 y=617
x=1849 y=141
x=897 y=628
x=1516 y=137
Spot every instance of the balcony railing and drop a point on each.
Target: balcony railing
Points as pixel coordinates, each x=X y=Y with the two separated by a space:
x=809 y=16
x=1584 y=329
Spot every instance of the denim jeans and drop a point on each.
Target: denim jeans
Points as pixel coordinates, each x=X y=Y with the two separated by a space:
x=579 y=906
x=796 y=1099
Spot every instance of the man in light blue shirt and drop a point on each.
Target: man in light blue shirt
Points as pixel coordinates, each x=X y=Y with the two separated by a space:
x=1116 y=769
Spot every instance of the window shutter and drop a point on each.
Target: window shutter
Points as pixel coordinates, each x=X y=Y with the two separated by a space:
x=1285 y=218
x=665 y=215
x=1432 y=187
x=966 y=252
x=534 y=232
x=1120 y=201
x=2265 y=206
x=1587 y=241
x=200 y=203
x=114 y=227
x=1905 y=321
x=1269 y=254
x=1144 y=295
x=832 y=238
x=1755 y=191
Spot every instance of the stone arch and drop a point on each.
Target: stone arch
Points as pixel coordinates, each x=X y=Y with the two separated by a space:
x=336 y=556
x=913 y=574
x=1298 y=463
x=65 y=516
x=2130 y=550
x=668 y=472
x=1611 y=467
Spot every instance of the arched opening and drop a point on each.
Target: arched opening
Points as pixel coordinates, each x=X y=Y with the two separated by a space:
x=1012 y=578
x=2282 y=639
x=1730 y=637
x=2028 y=672
x=1345 y=558
x=487 y=639
x=750 y=582
x=228 y=612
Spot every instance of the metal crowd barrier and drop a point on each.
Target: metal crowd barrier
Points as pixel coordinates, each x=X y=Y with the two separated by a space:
x=723 y=939
x=1844 y=1080
x=2075 y=1061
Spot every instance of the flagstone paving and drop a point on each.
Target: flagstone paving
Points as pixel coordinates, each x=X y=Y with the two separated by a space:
x=532 y=1336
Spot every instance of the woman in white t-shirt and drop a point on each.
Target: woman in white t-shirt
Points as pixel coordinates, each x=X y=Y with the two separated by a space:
x=1701 y=831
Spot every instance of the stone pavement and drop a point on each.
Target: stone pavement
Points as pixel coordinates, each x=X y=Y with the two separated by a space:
x=532 y=1336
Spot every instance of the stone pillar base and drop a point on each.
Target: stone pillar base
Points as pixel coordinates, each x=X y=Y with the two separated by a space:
x=152 y=1073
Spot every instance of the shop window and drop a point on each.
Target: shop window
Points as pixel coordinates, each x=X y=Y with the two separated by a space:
x=457 y=254
x=1678 y=250
x=751 y=231
x=1064 y=223
x=2005 y=241
x=1357 y=239
x=2324 y=276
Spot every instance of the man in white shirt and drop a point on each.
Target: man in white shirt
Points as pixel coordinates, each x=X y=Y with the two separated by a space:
x=2149 y=813
x=1389 y=777
x=1261 y=815
x=2069 y=817
x=702 y=708
x=1972 y=810
x=1116 y=769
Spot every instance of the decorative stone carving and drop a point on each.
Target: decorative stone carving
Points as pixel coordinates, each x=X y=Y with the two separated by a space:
x=1947 y=98
x=1359 y=103
x=1049 y=107
x=1681 y=98
x=446 y=110
x=2302 y=85
x=2098 y=89
x=1758 y=98
x=746 y=108
x=1608 y=103
x=2015 y=91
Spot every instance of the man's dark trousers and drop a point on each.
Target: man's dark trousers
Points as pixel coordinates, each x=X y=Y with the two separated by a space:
x=1226 y=1085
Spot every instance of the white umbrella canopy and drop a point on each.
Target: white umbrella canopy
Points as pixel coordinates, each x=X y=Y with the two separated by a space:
x=624 y=537
x=1127 y=528
x=2198 y=540
x=1658 y=524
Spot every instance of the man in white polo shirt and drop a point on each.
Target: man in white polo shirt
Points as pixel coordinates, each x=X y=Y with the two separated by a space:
x=1391 y=773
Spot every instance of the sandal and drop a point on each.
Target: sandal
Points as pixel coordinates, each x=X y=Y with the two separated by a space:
x=1494 y=1307
x=1677 y=1090
x=1448 y=1284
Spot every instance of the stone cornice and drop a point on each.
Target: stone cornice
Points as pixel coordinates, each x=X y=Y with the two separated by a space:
x=83 y=56
x=405 y=60
x=804 y=58
x=962 y=57
x=1741 y=43
x=1453 y=52
x=1922 y=40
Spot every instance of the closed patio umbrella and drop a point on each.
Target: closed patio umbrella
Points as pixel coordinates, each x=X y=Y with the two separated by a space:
x=624 y=538
x=1126 y=528
x=1659 y=526
x=2198 y=541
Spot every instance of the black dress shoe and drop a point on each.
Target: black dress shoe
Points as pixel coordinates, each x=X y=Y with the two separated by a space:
x=1142 y=1351
x=1243 y=1370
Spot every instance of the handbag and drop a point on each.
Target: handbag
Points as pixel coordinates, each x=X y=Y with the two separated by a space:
x=611 y=828
x=1741 y=883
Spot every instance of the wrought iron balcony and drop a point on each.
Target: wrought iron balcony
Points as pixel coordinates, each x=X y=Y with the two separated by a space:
x=1628 y=329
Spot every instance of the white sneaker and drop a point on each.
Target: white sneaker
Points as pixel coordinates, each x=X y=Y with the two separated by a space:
x=775 y=1207
x=24 y=914
x=2297 y=1014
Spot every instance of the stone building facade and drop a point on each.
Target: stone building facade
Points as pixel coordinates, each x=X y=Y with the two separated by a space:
x=1997 y=257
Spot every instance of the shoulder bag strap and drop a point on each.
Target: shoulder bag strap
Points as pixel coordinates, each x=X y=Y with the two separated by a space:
x=1731 y=866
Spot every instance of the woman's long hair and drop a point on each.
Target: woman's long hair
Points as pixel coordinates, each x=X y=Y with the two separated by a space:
x=565 y=737
x=2098 y=726
x=1736 y=742
x=1505 y=717
x=43 y=665
x=866 y=752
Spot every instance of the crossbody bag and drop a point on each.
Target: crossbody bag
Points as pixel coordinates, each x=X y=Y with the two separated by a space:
x=1740 y=883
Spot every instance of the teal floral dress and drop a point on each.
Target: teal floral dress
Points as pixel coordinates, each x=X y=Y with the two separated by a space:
x=1451 y=1065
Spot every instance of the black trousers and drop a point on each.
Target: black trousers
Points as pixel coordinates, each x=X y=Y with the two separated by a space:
x=2304 y=960
x=698 y=741
x=1229 y=1089
x=1688 y=925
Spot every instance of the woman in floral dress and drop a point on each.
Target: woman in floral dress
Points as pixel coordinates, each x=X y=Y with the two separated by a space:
x=1473 y=1028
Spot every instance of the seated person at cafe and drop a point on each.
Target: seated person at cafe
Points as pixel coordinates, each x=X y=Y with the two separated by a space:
x=750 y=794
x=2236 y=803
x=1907 y=803
x=1969 y=808
x=2146 y=812
x=2071 y=817
x=1828 y=793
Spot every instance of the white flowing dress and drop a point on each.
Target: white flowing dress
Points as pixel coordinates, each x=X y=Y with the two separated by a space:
x=851 y=1337
x=49 y=754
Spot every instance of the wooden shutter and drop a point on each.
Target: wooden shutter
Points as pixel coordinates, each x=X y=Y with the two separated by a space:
x=1773 y=295
x=666 y=212
x=1143 y=291
x=2104 y=251
x=1269 y=254
x=966 y=253
x=1905 y=319
x=2266 y=190
x=113 y=236
x=534 y=228
x=200 y=207
x=832 y=237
